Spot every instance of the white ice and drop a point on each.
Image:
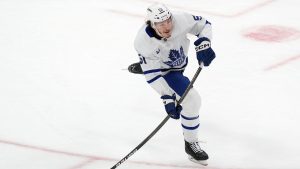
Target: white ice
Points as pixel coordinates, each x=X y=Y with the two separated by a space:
x=67 y=103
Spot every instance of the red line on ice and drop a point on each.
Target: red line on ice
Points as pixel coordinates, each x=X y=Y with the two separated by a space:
x=92 y=158
x=82 y=164
x=237 y=14
x=282 y=63
x=252 y=8
x=125 y=13
x=55 y=151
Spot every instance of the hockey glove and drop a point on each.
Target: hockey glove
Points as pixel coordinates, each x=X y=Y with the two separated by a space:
x=204 y=52
x=172 y=110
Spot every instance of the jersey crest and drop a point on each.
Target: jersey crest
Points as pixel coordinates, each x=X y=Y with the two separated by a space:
x=176 y=57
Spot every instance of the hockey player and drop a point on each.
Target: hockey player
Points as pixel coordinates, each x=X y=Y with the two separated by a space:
x=162 y=46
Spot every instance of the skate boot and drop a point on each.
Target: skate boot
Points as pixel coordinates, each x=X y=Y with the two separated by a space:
x=195 y=153
x=135 y=68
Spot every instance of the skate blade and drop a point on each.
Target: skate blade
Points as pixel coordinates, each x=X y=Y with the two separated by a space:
x=202 y=162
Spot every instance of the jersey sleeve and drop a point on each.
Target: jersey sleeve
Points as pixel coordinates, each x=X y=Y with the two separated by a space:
x=151 y=67
x=198 y=26
x=153 y=75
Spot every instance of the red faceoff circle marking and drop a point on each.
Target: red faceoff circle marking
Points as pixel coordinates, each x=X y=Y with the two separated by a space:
x=271 y=33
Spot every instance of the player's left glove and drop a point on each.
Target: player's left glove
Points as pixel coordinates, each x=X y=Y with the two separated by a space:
x=172 y=110
x=204 y=51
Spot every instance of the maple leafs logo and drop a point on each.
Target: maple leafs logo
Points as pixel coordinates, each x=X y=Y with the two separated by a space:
x=176 y=57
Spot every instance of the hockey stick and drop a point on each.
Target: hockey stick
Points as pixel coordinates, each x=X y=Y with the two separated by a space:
x=162 y=123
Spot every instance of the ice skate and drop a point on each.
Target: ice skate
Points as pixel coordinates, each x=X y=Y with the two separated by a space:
x=195 y=153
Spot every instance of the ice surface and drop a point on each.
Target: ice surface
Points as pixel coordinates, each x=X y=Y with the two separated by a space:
x=66 y=103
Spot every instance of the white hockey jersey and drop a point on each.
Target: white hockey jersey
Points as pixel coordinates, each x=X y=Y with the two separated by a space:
x=158 y=55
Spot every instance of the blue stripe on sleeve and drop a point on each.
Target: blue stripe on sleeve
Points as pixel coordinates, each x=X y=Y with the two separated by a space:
x=155 y=78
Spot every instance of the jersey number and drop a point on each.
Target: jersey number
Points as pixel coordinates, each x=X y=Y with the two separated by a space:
x=197 y=18
x=142 y=59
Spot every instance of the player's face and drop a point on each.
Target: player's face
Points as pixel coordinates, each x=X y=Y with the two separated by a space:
x=165 y=27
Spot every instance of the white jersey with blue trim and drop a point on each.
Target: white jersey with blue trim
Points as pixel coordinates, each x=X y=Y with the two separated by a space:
x=159 y=55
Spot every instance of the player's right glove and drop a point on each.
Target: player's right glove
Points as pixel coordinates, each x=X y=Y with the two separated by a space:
x=172 y=110
x=204 y=52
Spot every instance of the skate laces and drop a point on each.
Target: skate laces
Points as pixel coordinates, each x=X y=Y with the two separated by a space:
x=195 y=147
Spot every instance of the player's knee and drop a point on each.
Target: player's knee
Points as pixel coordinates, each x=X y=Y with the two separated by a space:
x=192 y=102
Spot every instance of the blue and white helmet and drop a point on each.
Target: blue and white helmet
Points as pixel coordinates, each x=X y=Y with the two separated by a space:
x=158 y=13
